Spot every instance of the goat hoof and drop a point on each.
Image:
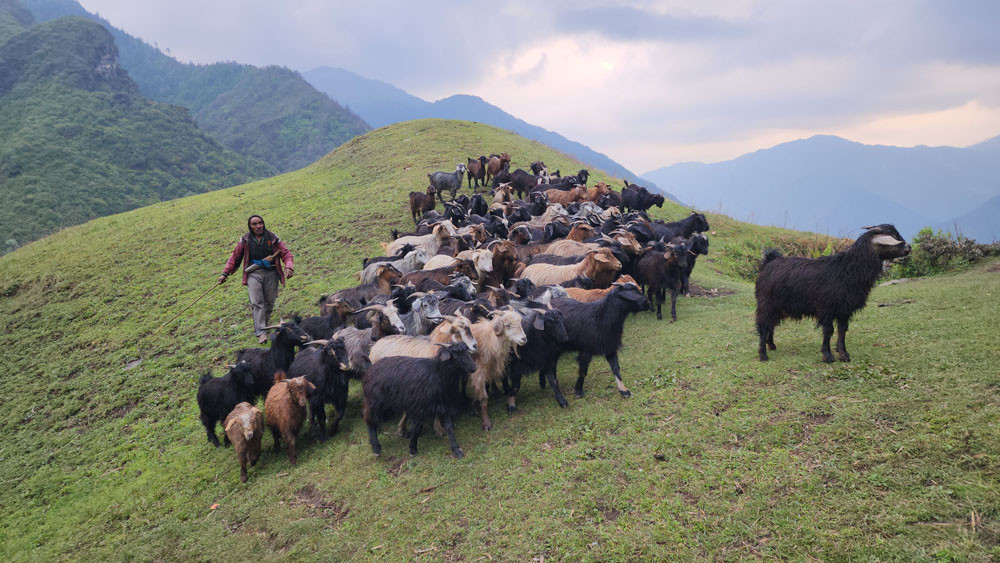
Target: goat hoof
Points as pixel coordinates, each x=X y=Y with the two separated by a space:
x=845 y=358
x=579 y=392
x=828 y=359
x=626 y=393
x=562 y=403
x=458 y=453
x=511 y=409
x=772 y=347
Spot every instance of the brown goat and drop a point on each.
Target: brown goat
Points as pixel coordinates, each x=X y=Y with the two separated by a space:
x=504 y=263
x=245 y=428
x=476 y=170
x=591 y=295
x=385 y=277
x=421 y=203
x=595 y=193
x=495 y=164
x=578 y=193
x=581 y=232
x=285 y=406
x=595 y=263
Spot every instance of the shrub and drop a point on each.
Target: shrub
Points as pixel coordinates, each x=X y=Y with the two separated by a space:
x=939 y=252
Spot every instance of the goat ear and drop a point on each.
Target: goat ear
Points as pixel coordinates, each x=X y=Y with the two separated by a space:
x=231 y=423
x=498 y=326
x=539 y=322
x=886 y=240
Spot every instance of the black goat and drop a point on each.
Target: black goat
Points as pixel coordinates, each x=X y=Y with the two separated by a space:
x=661 y=267
x=218 y=396
x=693 y=223
x=596 y=328
x=266 y=362
x=827 y=288
x=420 y=388
x=523 y=182
x=638 y=198
x=546 y=333
x=699 y=246
x=325 y=368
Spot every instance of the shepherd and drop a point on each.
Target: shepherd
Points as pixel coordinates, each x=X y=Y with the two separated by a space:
x=266 y=262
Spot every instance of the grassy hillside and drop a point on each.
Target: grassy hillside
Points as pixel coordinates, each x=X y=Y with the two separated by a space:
x=892 y=456
x=78 y=140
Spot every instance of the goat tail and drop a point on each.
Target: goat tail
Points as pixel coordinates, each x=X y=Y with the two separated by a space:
x=770 y=255
x=205 y=377
x=280 y=376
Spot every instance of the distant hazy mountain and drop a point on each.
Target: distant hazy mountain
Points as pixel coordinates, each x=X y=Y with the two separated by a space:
x=270 y=113
x=982 y=223
x=835 y=186
x=380 y=104
x=78 y=140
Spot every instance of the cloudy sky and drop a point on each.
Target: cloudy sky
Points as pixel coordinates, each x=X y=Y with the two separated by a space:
x=649 y=83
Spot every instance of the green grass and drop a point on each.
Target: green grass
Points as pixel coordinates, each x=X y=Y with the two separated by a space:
x=893 y=456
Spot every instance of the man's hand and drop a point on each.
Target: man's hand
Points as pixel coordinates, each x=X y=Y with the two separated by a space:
x=222 y=279
x=290 y=273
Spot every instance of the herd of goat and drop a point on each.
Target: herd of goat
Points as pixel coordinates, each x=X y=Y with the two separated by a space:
x=494 y=287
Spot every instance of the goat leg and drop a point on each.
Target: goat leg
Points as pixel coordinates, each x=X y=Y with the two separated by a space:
x=290 y=438
x=449 y=428
x=842 y=339
x=616 y=369
x=584 y=362
x=277 y=440
x=317 y=421
x=827 y=333
x=418 y=429
x=210 y=430
x=762 y=332
x=373 y=439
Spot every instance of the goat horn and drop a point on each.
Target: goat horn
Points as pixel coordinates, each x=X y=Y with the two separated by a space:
x=320 y=342
x=271 y=327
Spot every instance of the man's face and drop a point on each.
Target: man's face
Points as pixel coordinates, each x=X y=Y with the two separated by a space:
x=257 y=226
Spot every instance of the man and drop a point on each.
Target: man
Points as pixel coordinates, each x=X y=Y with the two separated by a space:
x=262 y=254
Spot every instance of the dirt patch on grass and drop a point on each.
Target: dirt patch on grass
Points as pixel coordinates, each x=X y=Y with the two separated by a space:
x=120 y=411
x=995 y=268
x=698 y=291
x=319 y=506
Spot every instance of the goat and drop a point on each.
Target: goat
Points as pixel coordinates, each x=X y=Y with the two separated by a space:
x=429 y=242
x=523 y=182
x=265 y=363
x=285 y=406
x=412 y=262
x=699 y=246
x=423 y=315
x=403 y=251
x=326 y=369
x=595 y=262
x=417 y=388
x=596 y=328
x=218 y=396
x=537 y=167
x=827 y=288
x=638 y=198
x=660 y=267
x=693 y=223
x=495 y=338
x=442 y=275
x=244 y=428
x=447 y=181
x=421 y=203
x=476 y=168
x=332 y=316
x=495 y=164
x=545 y=332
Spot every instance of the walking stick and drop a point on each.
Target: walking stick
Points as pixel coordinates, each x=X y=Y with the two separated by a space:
x=186 y=308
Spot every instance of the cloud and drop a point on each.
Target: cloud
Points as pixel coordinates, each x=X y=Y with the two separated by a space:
x=625 y=23
x=649 y=82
